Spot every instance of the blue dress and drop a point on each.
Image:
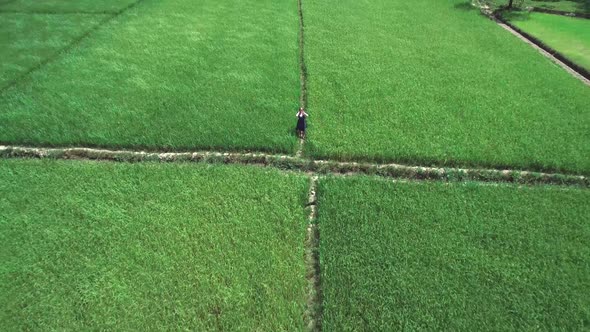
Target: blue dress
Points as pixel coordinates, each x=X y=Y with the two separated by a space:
x=301 y=122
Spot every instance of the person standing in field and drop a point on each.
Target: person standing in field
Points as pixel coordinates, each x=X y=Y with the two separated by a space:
x=301 y=124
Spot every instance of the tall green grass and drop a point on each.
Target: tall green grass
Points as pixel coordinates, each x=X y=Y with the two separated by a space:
x=174 y=75
x=27 y=40
x=436 y=83
x=436 y=256
x=567 y=35
x=108 y=246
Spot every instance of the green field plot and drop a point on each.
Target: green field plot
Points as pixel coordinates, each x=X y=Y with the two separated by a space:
x=106 y=246
x=436 y=256
x=65 y=6
x=28 y=40
x=436 y=83
x=567 y=35
x=574 y=6
x=169 y=75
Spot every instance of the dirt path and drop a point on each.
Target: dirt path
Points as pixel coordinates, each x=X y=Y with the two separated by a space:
x=302 y=72
x=291 y=163
x=313 y=311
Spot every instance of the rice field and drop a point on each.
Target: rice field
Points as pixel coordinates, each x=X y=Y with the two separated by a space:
x=105 y=246
x=568 y=6
x=27 y=41
x=568 y=35
x=124 y=240
x=435 y=256
x=435 y=83
x=65 y=6
x=168 y=75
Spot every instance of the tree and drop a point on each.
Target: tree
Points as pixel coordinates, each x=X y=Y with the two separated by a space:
x=510 y=3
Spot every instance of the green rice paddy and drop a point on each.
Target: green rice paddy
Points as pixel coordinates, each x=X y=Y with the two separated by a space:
x=435 y=83
x=102 y=246
x=65 y=6
x=28 y=41
x=573 y=6
x=168 y=75
x=567 y=35
x=224 y=76
x=435 y=256
x=142 y=245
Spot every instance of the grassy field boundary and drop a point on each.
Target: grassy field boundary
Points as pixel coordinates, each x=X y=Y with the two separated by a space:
x=313 y=312
x=291 y=163
x=302 y=71
x=559 y=12
x=558 y=58
x=70 y=45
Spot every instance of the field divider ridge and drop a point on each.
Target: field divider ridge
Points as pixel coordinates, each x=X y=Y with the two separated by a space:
x=75 y=42
x=561 y=13
x=292 y=163
x=302 y=71
x=556 y=57
x=313 y=312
